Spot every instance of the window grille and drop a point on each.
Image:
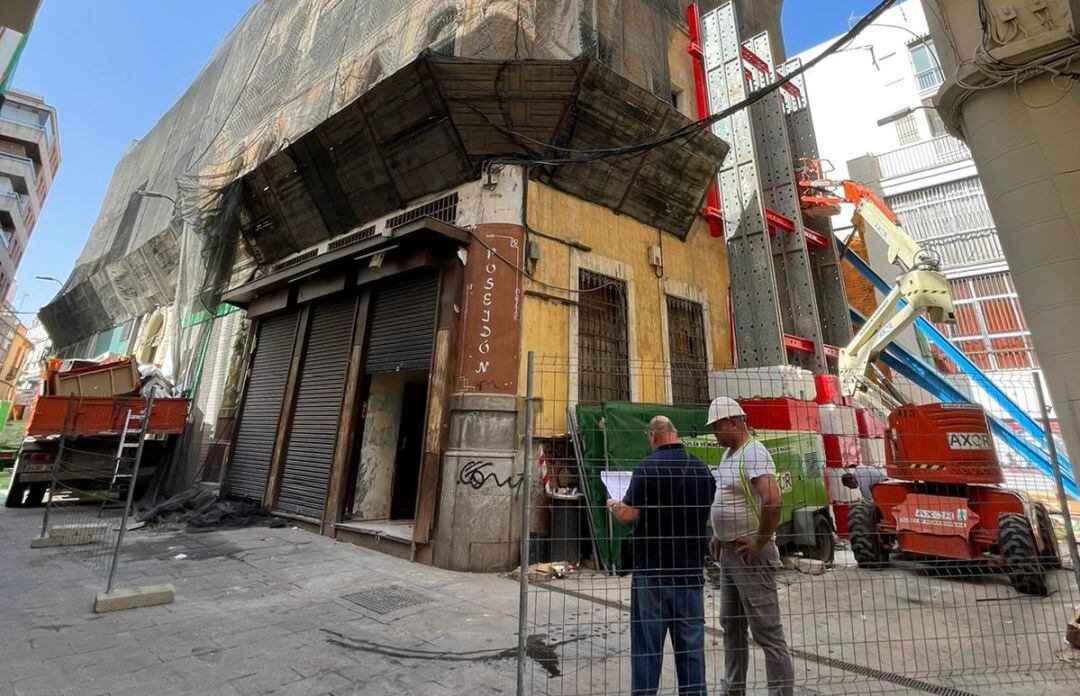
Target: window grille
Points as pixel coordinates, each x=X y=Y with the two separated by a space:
x=603 y=338
x=689 y=361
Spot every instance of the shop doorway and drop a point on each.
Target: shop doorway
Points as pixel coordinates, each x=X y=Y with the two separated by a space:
x=410 y=449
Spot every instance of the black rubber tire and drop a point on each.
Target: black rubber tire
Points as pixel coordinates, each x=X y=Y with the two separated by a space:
x=1016 y=541
x=1050 y=560
x=866 y=541
x=824 y=548
x=15 y=494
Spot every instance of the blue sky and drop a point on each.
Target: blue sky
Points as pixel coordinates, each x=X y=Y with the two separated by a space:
x=112 y=67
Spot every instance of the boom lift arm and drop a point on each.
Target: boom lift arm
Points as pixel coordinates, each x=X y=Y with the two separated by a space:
x=920 y=289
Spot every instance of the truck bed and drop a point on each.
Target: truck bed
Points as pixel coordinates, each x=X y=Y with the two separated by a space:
x=102 y=415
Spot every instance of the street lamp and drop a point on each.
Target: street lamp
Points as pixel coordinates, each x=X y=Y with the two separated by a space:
x=906 y=111
x=52 y=280
x=155 y=194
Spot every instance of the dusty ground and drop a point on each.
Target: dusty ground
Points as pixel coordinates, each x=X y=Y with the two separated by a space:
x=263 y=610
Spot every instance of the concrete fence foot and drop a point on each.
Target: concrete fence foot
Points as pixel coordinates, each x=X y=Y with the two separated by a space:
x=133 y=598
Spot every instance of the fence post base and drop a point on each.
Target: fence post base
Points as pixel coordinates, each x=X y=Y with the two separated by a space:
x=69 y=535
x=133 y=598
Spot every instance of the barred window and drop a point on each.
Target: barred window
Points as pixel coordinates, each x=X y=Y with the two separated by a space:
x=689 y=361
x=604 y=369
x=907 y=130
x=951 y=219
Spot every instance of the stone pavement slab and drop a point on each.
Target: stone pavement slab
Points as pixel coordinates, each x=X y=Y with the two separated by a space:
x=256 y=611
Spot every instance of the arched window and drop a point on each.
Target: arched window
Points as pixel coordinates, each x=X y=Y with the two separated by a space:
x=155 y=332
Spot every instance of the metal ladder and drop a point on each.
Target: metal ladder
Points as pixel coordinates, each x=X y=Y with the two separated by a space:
x=128 y=451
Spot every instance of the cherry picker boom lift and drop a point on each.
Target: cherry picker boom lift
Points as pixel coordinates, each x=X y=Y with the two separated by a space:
x=943 y=502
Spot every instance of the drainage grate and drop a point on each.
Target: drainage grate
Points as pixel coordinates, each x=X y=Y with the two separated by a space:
x=387 y=599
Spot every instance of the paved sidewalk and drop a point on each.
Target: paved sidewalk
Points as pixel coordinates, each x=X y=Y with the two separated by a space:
x=266 y=611
x=257 y=611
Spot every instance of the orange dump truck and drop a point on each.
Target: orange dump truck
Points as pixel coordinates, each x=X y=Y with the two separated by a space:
x=90 y=403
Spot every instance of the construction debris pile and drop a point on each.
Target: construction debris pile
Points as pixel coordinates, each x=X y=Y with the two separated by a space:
x=202 y=509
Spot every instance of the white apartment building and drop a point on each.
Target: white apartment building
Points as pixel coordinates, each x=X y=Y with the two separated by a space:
x=872 y=111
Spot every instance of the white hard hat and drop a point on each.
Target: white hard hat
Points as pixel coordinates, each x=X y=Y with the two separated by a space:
x=724 y=407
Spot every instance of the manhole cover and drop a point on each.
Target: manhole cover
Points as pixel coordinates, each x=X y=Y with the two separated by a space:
x=387 y=599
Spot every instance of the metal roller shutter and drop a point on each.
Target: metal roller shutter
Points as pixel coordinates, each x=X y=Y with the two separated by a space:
x=317 y=411
x=403 y=325
x=258 y=424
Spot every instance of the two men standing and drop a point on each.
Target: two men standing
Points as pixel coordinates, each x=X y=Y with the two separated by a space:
x=670 y=497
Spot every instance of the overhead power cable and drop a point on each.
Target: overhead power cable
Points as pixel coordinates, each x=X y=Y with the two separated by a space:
x=699 y=126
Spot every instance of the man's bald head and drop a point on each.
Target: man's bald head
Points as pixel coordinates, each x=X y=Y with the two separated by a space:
x=662 y=431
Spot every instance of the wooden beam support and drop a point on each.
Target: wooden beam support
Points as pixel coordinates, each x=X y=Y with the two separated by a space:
x=281 y=439
x=437 y=426
x=345 y=445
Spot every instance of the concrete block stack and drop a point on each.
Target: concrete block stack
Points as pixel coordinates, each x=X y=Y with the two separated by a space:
x=778 y=382
x=871 y=437
x=843 y=446
x=774 y=398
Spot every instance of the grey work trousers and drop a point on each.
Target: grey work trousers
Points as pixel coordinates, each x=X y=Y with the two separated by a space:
x=748 y=599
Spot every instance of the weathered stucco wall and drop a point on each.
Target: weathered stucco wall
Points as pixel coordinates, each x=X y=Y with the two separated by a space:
x=618 y=246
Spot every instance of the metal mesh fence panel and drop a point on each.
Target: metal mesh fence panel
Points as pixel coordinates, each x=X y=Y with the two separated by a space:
x=790 y=541
x=88 y=489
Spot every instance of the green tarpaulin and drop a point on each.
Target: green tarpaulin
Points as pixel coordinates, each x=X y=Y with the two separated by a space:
x=612 y=435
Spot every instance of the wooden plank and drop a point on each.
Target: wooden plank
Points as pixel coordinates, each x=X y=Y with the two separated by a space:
x=350 y=412
x=437 y=427
x=427 y=490
x=281 y=439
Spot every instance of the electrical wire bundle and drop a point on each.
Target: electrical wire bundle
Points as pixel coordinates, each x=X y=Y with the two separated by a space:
x=996 y=72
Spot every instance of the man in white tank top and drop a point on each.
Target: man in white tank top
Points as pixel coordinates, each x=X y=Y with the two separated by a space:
x=745 y=514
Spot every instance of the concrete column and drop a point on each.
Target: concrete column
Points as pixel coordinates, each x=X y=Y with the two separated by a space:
x=480 y=499
x=1025 y=139
x=1028 y=162
x=477 y=526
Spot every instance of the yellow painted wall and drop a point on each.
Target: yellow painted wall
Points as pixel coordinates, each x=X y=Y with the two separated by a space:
x=699 y=262
x=12 y=362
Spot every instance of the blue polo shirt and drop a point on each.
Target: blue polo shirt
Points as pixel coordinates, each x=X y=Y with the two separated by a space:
x=673 y=490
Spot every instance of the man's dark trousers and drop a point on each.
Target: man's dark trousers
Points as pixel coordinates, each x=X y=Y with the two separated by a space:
x=657 y=610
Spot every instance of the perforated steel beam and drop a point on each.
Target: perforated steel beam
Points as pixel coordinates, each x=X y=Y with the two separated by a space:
x=783 y=272
x=754 y=300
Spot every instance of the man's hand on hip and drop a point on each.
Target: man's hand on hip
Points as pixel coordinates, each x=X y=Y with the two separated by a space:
x=750 y=548
x=714 y=548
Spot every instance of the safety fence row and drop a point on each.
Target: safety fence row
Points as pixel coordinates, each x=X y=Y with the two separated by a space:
x=777 y=535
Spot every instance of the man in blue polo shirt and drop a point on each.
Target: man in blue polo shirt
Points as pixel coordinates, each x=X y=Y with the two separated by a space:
x=669 y=498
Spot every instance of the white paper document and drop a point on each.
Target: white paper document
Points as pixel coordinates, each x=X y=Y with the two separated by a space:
x=617 y=483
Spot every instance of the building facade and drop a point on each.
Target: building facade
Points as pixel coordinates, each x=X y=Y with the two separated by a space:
x=29 y=159
x=876 y=123
x=348 y=298
x=28 y=382
x=14 y=349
